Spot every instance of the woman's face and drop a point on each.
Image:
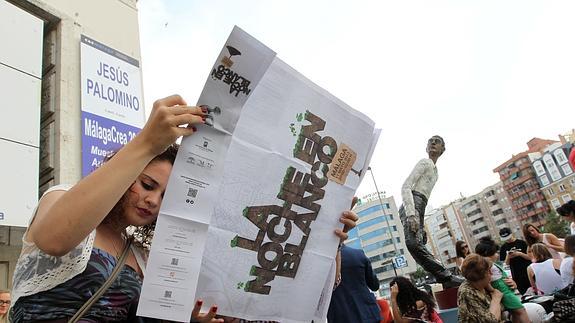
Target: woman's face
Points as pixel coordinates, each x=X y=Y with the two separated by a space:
x=144 y=197
x=486 y=281
x=533 y=232
x=4 y=303
x=465 y=249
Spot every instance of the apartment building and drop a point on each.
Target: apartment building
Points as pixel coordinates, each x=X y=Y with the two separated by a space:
x=487 y=212
x=554 y=173
x=443 y=230
x=522 y=186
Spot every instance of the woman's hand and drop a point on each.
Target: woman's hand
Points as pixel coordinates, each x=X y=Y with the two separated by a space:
x=496 y=295
x=209 y=317
x=168 y=121
x=349 y=219
x=489 y=288
x=510 y=282
x=394 y=291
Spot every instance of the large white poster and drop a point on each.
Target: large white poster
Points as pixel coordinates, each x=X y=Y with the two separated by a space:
x=256 y=236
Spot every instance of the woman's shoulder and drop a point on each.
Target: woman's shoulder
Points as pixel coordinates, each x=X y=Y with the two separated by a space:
x=420 y=304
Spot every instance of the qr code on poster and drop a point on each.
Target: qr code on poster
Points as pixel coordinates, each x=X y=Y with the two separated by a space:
x=168 y=294
x=192 y=192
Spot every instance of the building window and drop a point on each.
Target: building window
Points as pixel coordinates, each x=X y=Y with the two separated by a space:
x=560 y=156
x=373 y=221
x=539 y=169
x=566 y=198
x=497 y=212
x=551 y=167
x=555 y=203
x=373 y=234
x=550 y=191
x=370 y=210
x=573 y=182
x=566 y=169
x=500 y=222
x=352 y=234
x=561 y=188
x=482 y=229
x=544 y=180
x=474 y=212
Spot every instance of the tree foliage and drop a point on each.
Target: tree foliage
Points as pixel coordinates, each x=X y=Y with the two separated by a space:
x=556 y=225
x=419 y=274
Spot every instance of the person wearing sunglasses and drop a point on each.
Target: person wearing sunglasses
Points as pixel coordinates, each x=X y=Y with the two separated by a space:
x=461 y=251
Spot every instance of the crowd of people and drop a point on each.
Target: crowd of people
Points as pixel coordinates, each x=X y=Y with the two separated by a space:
x=66 y=272
x=540 y=265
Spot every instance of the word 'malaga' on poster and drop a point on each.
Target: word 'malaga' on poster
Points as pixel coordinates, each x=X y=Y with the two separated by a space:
x=302 y=189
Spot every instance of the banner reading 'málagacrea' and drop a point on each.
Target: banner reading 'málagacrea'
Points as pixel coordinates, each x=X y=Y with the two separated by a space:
x=112 y=102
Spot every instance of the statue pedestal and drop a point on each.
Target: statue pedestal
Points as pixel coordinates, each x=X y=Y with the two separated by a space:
x=447 y=298
x=447 y=303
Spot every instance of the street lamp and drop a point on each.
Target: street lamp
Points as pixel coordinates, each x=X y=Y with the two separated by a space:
x=385 y=217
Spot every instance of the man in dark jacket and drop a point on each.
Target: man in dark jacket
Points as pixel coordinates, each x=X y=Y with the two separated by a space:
x=352 y=301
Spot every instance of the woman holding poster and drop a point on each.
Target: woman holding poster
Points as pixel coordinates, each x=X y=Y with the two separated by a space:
x=85 y=250
x=78 y=235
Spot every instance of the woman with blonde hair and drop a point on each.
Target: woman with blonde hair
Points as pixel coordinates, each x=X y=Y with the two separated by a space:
x=544 y=273
x=5 y=301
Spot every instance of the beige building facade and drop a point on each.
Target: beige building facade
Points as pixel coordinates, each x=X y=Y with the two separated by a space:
x=54 y=102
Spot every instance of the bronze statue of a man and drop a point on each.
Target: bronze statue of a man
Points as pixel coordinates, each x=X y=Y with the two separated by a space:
x=415 y=193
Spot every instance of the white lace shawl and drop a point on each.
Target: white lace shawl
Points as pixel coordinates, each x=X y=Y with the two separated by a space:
x=37 y=271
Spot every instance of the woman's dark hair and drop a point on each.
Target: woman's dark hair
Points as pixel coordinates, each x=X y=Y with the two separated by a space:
x=409 y=294
x=566 y=209
x=459 y=249
x=475 y=267
x=486 y=247
x=530 y=240
x=142 y=235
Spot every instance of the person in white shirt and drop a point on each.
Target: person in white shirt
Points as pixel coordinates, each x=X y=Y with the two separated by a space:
x=544 y=272
x=567 y=211
x=567 y=263
x=415 y=193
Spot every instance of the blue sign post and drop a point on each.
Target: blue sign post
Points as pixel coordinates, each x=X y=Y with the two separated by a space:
x=400 y=261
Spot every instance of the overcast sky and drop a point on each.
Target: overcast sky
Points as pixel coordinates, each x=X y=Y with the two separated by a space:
x=486 y=75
